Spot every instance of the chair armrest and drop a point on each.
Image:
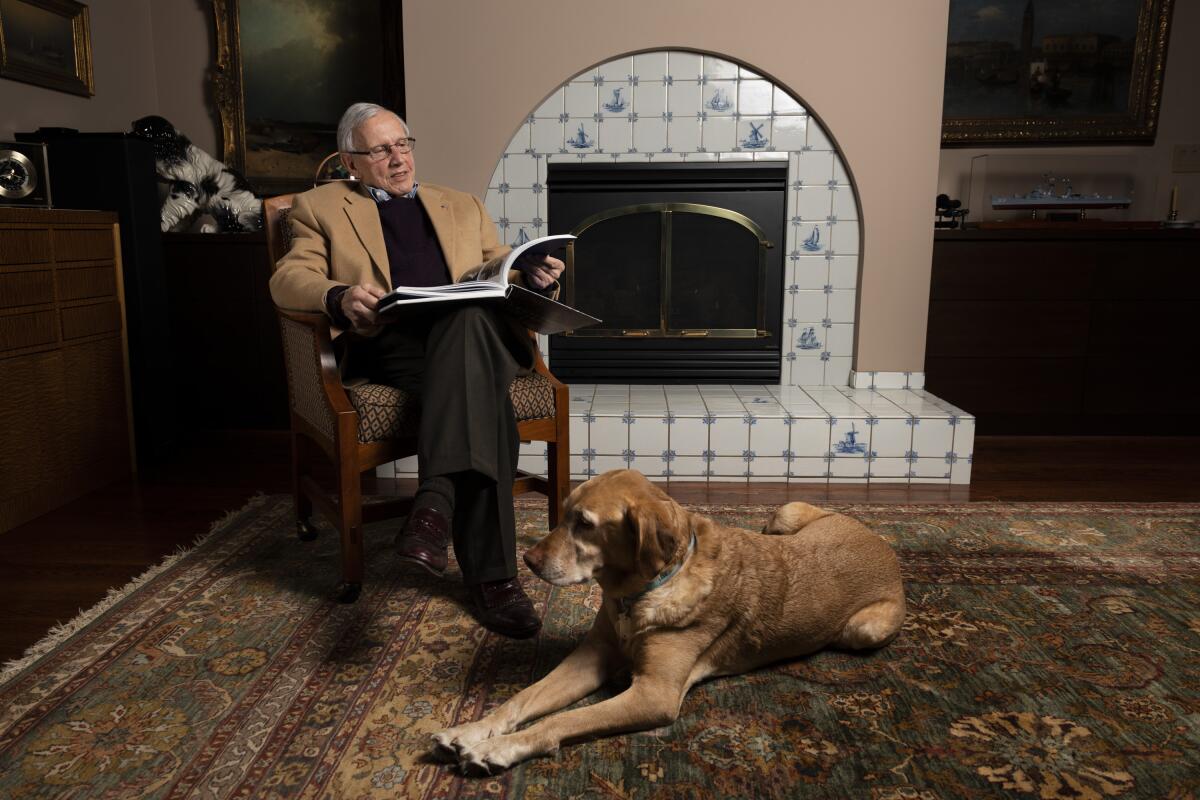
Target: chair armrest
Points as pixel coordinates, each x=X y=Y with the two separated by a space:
x=314 y=384
x=539 y=366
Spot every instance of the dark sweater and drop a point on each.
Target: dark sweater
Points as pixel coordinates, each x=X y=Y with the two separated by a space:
x=414 y=256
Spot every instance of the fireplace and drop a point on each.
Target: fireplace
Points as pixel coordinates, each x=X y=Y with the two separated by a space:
x=683 y=263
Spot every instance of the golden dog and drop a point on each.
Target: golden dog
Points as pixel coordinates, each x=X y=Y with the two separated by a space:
x=685 y=599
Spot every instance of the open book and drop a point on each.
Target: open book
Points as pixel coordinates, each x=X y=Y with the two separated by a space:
x=490 y=285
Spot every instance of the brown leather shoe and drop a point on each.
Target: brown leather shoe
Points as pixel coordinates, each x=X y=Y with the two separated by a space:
x=423 y=540
x=503 y=607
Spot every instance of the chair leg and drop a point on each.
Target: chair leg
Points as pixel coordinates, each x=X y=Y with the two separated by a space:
x=350 y=526
x=303 y=503
x=558 y=475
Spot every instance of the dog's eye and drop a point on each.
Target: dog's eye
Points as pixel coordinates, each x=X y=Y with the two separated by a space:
x=584 y=521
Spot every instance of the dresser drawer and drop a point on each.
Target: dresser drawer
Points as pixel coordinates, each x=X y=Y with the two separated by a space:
x=79 y=283
x=26 y=288
x=26 y=330
x=24 y=246
x=82 y=244
x=79 y=321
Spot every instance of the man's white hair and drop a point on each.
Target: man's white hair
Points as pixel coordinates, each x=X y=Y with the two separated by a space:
x=356 y=115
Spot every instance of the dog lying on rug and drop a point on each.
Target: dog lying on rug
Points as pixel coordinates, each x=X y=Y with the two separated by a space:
x=685 y=599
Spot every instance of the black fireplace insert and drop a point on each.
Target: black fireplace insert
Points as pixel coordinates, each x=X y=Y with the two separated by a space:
x=683 y=263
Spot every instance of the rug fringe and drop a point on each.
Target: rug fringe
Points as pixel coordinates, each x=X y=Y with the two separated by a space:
x=62 y=631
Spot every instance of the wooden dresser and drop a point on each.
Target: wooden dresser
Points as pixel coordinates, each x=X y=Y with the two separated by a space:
x=65 y=426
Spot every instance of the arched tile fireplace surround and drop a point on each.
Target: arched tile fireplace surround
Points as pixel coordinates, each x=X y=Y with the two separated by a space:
x=821 y=422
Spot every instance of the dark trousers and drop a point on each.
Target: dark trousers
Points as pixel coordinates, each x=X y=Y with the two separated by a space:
x=460 y=363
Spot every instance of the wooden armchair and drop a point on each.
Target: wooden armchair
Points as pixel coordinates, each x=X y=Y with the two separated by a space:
x=359 y=428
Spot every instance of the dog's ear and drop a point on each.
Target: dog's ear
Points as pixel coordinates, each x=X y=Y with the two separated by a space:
x=657 y=527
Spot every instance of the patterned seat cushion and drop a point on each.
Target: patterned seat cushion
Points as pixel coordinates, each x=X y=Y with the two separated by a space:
x=388 y=413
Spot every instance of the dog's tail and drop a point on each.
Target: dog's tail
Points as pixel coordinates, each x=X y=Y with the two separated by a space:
x=792 y=517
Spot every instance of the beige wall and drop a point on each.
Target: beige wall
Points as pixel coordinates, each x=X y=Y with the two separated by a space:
x=1178 y=123
x=148 y=57
x=872 y=72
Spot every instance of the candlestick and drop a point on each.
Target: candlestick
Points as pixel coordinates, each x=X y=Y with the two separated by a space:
x=1173 y=214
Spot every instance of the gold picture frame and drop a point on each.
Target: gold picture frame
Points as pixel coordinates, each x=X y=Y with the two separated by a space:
x=47 y=43
x=1010 y=83
x=274 y=154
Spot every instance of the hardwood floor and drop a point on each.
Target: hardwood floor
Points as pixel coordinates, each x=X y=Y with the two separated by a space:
x=63 y=562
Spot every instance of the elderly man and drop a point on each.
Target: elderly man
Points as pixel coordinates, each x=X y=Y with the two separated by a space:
x=352 y=243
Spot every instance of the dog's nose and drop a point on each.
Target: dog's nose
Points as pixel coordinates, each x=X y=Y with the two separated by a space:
x=533 y=560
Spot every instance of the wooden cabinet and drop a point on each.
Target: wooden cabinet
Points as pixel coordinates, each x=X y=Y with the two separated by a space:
x=64 y=378
x=1067 y=331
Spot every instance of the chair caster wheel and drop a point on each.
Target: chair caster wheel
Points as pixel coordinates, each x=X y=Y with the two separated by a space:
x=347 y=592
x=304 y=531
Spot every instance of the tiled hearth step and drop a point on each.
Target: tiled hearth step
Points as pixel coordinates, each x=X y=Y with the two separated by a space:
x=803 y=434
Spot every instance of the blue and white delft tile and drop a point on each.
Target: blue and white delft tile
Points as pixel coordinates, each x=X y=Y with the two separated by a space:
x=814 y=204
x=407 y=466
x=615 y=135
x=581 y=101
x=933 y=437
x=520 y=141
x=521 y=170
x=809 y=306
x=553 y=106
x=581 y=135
x=548 y=137
x=684 y=99
x=727 y=467
x=788 y=133
x=617 y=71
x=844 y=239
x=689 y=467
x=845 y=207
x=717 y=68
x=720 y=98
x=753 y=133
x=754 y=98
x=684 y=66
x=770 y=436
x=650 y=135
x=609 y=435
x=837 y=370
x=580 y=433
x=891 y=438
x=817 y=138
x=607 y=463
x=768 y=469
x=650 y=66
x=689 y=435
x=929 y=470
x=534 y=464
x=889 y=470
x=813 y=168
x=841 y=307
x=717 y=134
x=728 y=436
x=784 y=103
x=387 y=470
x=648 y=434
x=650 y=100
x=683 y=135
x=808 y=370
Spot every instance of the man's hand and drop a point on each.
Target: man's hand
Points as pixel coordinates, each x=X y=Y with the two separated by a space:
x=358 y=304
x=540 y=271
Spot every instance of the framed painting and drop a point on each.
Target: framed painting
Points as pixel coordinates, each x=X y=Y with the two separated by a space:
x=1054 y=71
x=47 y=43
x=284 y=73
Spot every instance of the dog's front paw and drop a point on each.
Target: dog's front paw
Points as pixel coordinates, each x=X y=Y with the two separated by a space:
x=450 y=744
x=492 y=756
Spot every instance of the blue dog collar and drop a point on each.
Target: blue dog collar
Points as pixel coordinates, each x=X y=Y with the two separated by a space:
x=626 y=603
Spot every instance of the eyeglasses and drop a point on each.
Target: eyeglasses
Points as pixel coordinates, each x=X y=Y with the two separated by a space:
x=381 y=151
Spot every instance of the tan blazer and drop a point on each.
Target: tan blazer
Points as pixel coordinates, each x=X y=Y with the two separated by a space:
x=338 y=240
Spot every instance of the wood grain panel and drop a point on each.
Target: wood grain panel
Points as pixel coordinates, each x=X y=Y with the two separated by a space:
x=26 y=330
x=91 y=320
x=84 y=282
x=24 y=246
x=82 y=244
x=26 y=288
x=983 y=329
x=31 y=406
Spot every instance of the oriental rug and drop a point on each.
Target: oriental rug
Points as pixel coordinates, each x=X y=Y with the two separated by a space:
x=1050 y=651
